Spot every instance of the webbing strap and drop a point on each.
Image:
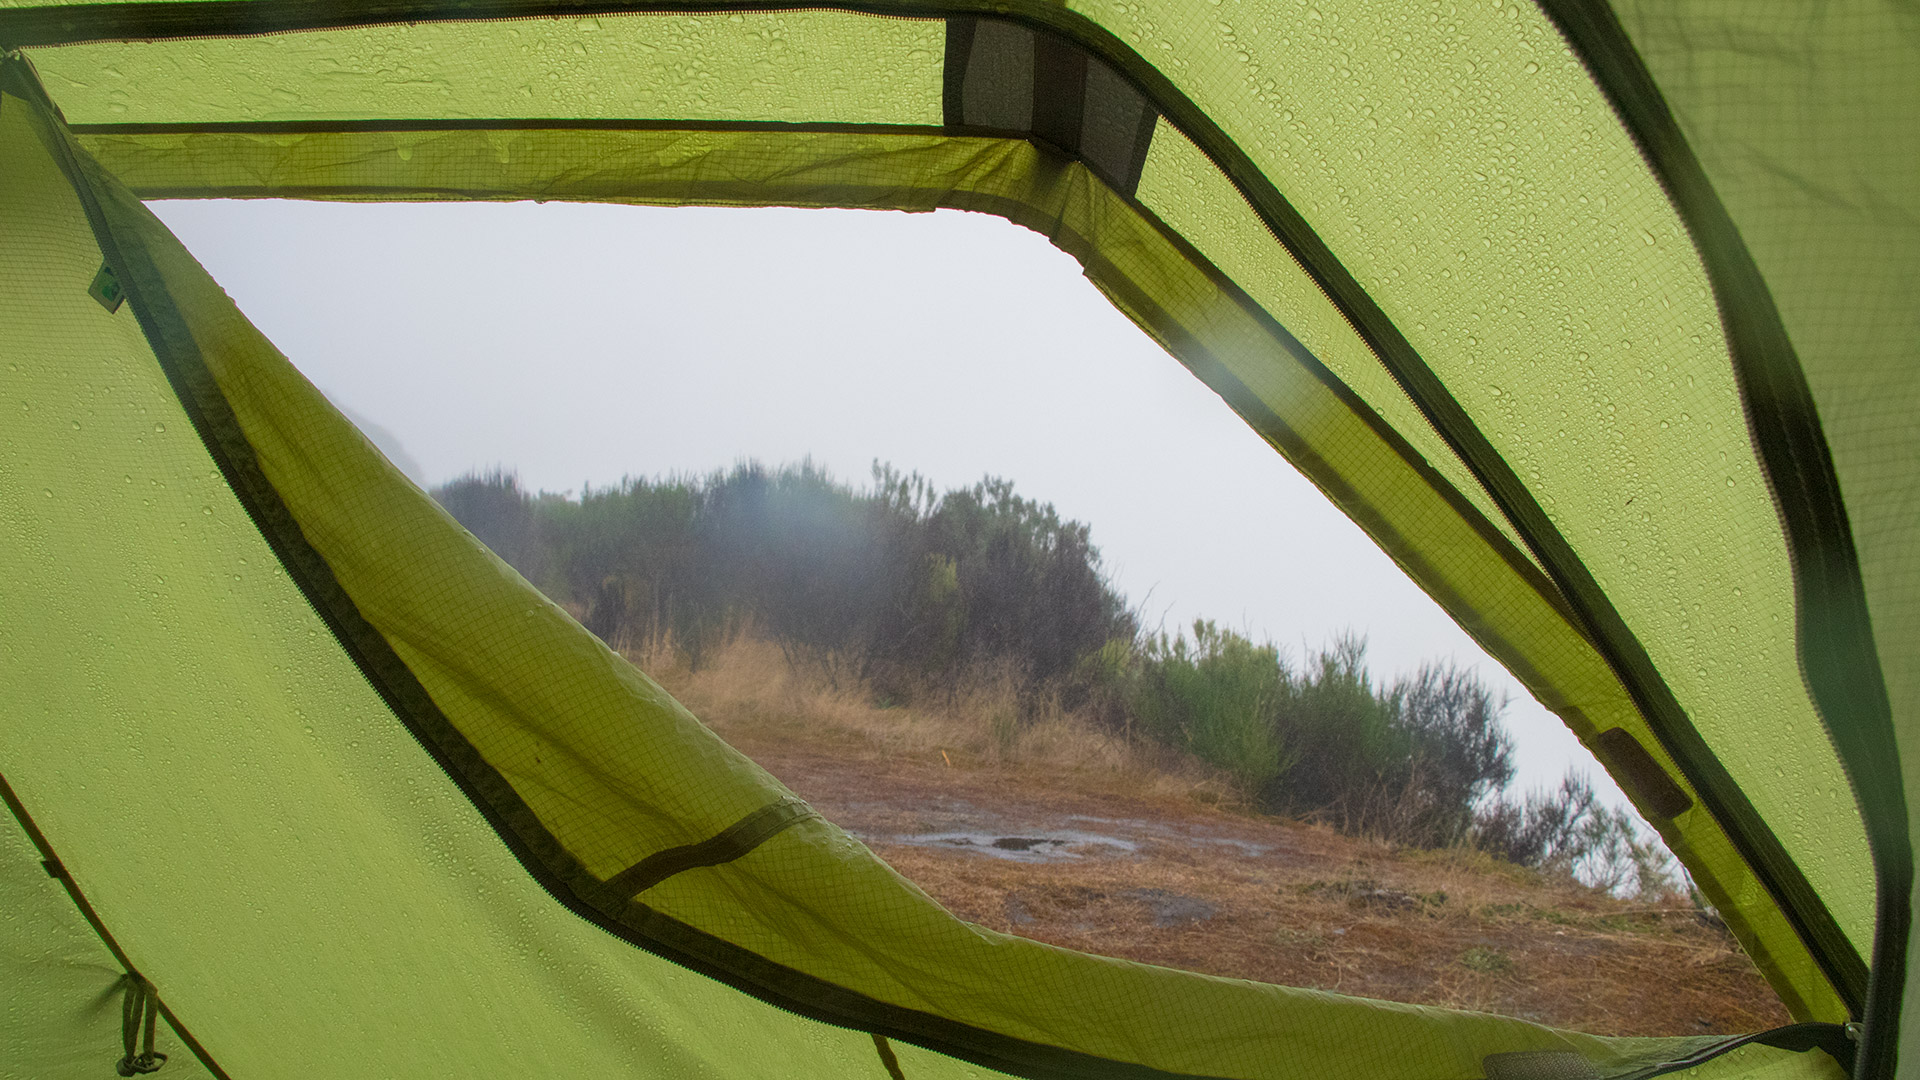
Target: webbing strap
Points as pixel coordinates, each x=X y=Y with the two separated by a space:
x=722 y=847
x=892 y=1063
x=139 y=1008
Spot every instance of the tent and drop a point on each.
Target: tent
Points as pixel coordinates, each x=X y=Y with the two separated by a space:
x=1598 y=319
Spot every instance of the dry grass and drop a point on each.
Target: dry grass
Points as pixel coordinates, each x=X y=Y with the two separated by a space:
x=1252 y=896
x=748 y=693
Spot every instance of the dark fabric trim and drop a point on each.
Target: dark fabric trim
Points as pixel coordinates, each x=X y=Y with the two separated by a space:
x=953 y=70
x=722 y=847
x=1830 y=1039
x=1839 y=659
x=1142 y=144
x=58 y=870
x=1005 y=78
x=544 y=858
x=1059 y=93
x=887 y=1059
x=1642 y=776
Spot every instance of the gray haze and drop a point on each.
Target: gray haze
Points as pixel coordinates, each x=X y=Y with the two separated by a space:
x=579 y=344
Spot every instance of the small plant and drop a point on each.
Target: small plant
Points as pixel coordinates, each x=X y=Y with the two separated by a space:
x=1485 y=961
x=1003 y=727
x=1296 y=937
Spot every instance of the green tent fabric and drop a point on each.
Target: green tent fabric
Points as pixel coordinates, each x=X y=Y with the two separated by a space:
x=1589 y=315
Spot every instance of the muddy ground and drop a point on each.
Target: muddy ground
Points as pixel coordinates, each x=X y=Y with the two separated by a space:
x=1089 y=864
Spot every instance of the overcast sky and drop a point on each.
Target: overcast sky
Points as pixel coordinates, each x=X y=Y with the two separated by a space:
x=577 y=344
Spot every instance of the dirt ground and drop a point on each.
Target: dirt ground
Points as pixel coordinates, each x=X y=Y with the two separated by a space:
x=1064 y=835
x=1169 y=881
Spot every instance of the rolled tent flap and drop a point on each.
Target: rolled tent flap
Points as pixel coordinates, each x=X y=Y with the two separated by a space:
x=1451 y=277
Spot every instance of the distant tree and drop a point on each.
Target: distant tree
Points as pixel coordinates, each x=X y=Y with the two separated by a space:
x=1546 y=829
x=1029 y=586
x=892 y=585
x=1350 y=746
x=1460 y=753
x=910 y=591
x=494 y=509
x=1568 y=831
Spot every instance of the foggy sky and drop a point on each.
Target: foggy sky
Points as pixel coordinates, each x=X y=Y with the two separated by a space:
x=577 y=344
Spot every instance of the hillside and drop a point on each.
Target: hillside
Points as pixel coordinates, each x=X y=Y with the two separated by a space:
x=1061 y=833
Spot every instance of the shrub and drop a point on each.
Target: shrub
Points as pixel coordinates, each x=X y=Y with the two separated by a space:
x=1568 y=831
x=1219 y=697
x=893 y=585
x=911 y=592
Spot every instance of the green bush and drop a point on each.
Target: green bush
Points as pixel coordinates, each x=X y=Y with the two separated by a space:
x=911 y=592
x=1219 y=697
x=895 y=585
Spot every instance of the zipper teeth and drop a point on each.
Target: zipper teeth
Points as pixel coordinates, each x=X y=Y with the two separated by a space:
x=1773 y=494
x=1254 y=204
x=1643 y=152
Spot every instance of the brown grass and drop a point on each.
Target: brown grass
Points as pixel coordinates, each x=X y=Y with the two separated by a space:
x=1251 y=896
x=748 y=692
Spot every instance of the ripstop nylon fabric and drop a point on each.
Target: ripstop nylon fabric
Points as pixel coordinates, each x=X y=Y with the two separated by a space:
x=70 y=1025
x=269 y=845
x=1459 y=163
x=1729 y=630
x=1802 y=118
x=1471 y=176
x=463 y=621
x=585 y=744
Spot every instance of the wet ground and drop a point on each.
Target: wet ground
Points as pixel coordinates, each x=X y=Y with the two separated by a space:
x=1088 y=864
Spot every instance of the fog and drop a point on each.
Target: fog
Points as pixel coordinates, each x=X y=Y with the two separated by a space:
x=577 y=344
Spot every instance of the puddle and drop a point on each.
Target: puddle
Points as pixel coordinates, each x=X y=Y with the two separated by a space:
x=1028 y=847
x=1244 y=847
x=1174 y=834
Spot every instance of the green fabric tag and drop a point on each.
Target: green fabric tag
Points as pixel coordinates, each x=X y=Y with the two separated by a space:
x=106 y=289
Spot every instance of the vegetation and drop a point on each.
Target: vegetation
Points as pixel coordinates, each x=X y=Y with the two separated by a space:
x=1155 y=869
x=909 y=595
